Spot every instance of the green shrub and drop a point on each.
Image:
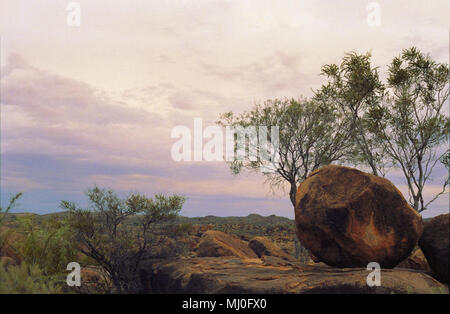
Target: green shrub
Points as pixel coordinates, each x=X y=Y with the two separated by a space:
x=48 y=244
x=106 y=237
x=27 y=279
x=3 y=212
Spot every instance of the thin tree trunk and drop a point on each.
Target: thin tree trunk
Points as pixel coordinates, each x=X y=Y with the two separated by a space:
x=292 y=193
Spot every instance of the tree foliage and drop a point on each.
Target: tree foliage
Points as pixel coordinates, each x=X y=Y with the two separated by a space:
x=411 y=124
x=358 y=119
x=311 y=134
x=354 y=87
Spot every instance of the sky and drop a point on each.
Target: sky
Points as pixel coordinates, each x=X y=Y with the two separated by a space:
x=96 y=103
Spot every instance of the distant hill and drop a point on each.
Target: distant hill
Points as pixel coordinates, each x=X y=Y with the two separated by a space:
x=252 y=219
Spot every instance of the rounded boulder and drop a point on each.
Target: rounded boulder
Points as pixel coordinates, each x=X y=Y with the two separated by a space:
x=435 y=243
x=349 y=218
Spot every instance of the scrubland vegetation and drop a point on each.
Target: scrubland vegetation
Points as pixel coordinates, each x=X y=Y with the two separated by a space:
x=354 y=118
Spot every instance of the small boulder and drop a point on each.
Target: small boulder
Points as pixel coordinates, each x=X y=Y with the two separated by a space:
x=416 y=261
x=91 y=275
x=94 y=280
x=435 y=246
x=215 y=243
x=264 y=247
x=349 y=218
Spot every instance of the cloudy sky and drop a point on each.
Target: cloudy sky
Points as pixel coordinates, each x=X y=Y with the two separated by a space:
x=96 y=104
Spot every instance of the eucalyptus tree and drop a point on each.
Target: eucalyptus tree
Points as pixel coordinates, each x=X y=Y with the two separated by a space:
x=411 y=124
x=310 y=135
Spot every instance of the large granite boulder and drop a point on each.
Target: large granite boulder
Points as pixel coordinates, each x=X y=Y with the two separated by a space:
x=273 y=275
x=349 y=218
x=264 y=247
x=215 y=243
x=435 y=246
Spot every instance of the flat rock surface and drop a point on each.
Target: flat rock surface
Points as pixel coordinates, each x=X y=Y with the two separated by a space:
x=274 y=275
